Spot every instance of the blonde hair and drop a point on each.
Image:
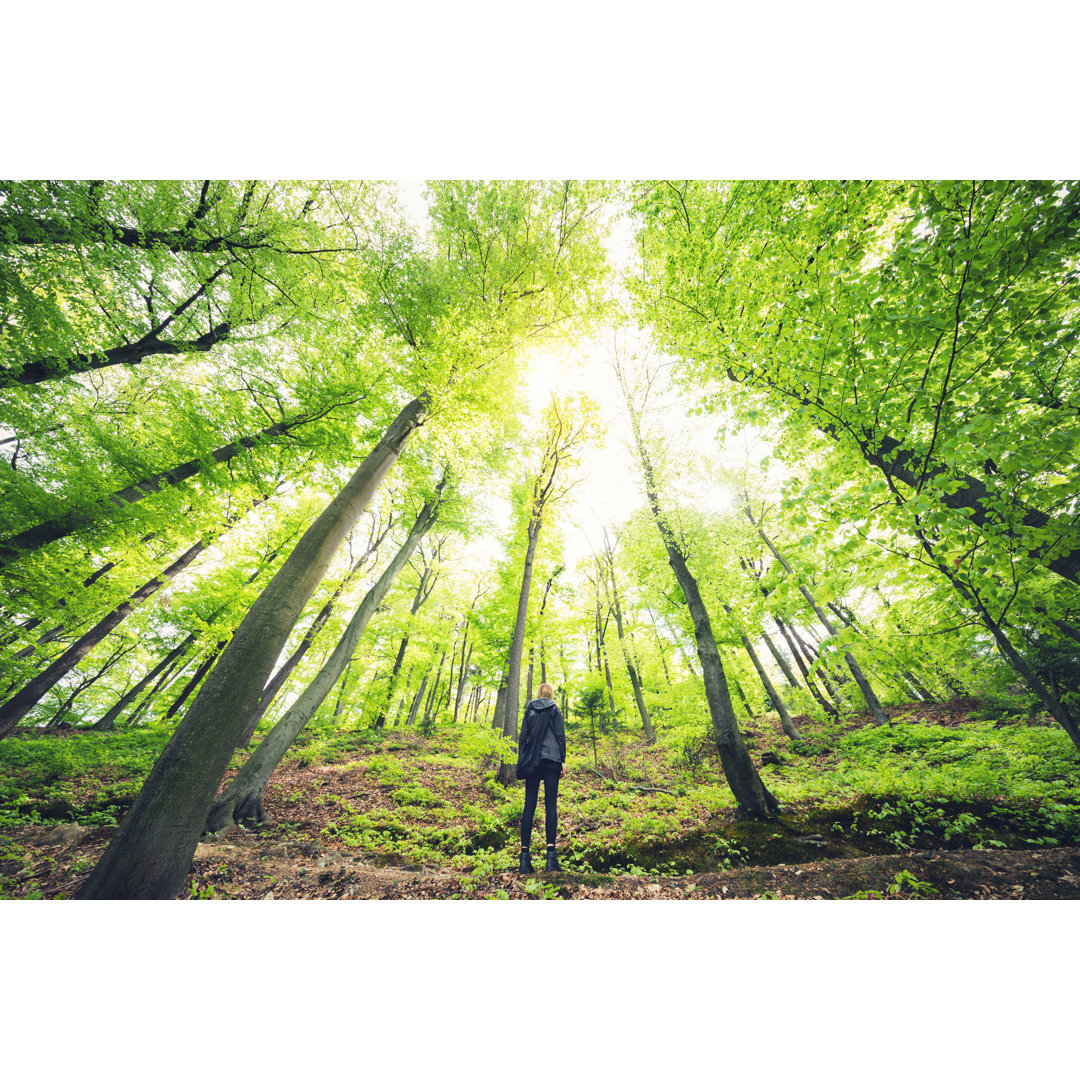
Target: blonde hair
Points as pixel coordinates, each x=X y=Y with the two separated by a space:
x=546 y=690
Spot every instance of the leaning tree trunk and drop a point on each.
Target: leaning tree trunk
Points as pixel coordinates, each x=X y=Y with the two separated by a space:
x=168 y=676
x=790 y=730
x=196 y=679
x=793 y=643
x=150 y=856
x=631 y=668
x=17 y=706
x=463 y=675
x=742 y=697
x=118 y=654
x=739 y=770
x=601 y=655
x=1048 y=696
x=414 y=708
x=433 y=697
x=270 y=691
x=108 y=721
x=242 y=799
x=500 y=701
x=868 y=694
x=59 y=629
x=423 y=591
x=15 y=547
x=905 y=675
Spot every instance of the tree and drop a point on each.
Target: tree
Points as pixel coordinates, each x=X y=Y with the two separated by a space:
x=920 y=329
x=608 y=578
x=508 y=264
x=20 y=703
x=166 y=268
x=242 y=800
x=565 y=426
x=742 y=777
x=149 y=857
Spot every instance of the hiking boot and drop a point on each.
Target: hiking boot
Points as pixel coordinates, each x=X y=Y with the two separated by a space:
x=525 y=865
x=552 y=860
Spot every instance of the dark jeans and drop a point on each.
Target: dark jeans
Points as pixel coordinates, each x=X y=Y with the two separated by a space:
x=550 y=775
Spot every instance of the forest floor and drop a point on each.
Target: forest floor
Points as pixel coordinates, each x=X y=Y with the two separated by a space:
x=925 y=808
x=257 y=868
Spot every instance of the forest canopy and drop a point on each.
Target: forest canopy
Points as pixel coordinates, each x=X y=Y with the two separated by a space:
x=297 y=461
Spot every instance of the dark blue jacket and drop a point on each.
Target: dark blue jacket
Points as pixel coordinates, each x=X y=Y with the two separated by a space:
x=541 y=715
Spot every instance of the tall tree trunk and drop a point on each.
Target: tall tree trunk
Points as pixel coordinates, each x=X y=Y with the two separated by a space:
x=150 y=855
x=170 y=675
x=500 y=702
x=461 y=679
x=108 y=720
x=242 y=799
x=58 y=630
x=824 y=672
x=914 y=685
x=512 y=700
x=404 y=696
x=781 y=661
x=64 y=524
x=742 y=697
x=798 y=651
x=1047 y=696
x=16 y=707
x=631 y=668
x=659 y=647
x=432 y=697
x=343 y=682
x=391 y=682
x=868 y=694
x=786 y=722
x=273 y=687
x=414 y=708
x=682 y=649
x=193 y=683
x=118 y=654
x=424 y=586
x=739 y=771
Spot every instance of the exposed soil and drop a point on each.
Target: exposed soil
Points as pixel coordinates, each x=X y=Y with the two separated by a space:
x=254 y=866
x=309 y=848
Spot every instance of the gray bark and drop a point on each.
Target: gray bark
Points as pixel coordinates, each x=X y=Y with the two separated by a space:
x=631 y=667
x=19 y=704
x=108 y=721
x=739 y=770
x=790 y=730
x=150 y=856
x=868 y=694
x=242 y=799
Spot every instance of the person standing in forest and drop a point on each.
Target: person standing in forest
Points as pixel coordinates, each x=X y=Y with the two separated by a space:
x=541 y=756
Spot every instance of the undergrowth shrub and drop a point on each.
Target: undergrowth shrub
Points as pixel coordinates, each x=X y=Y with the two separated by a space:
x=84 y=777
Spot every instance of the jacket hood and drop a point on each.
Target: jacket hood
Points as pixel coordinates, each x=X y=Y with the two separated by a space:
x=541 y=703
